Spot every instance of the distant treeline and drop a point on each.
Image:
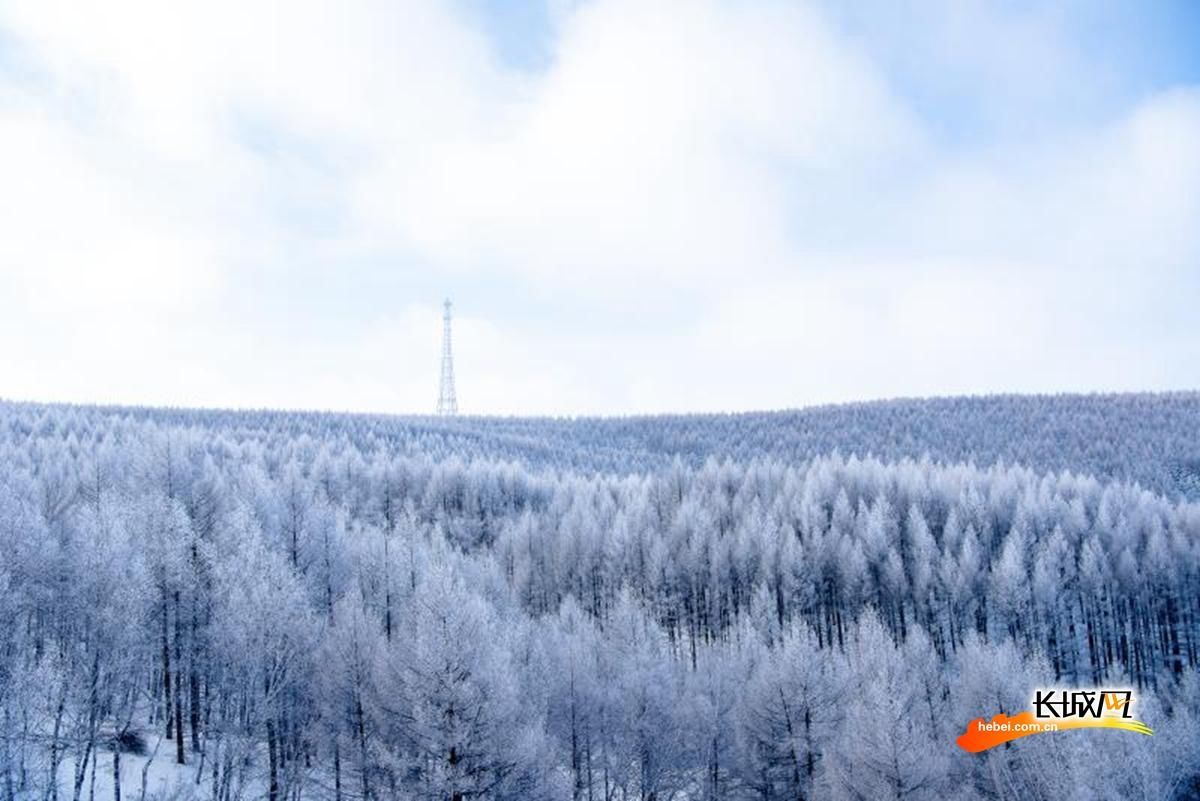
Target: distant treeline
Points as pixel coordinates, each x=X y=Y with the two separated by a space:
x=1145 y=438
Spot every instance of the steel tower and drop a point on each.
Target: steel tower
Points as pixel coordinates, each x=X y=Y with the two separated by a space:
x=447 y=402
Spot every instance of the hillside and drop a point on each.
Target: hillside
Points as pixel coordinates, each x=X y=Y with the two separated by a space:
x=1147 y=438
x=348 y=608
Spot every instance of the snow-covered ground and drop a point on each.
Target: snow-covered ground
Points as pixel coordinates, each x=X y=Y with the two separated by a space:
x=164 y=779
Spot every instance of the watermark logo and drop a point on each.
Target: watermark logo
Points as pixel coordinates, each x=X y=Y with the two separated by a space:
x=1056 y=710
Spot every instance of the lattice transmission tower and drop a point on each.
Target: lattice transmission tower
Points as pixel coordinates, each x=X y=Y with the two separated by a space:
x=447 y=402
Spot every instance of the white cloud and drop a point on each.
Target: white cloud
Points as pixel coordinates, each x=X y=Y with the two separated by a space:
x=658 y=146
x=752 y=170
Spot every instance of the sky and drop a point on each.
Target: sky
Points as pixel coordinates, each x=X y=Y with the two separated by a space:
x=636 y=206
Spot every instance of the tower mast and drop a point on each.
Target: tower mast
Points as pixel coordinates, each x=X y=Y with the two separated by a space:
x=447 y=402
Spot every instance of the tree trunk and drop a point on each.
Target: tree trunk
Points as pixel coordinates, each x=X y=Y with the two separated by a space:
x=361 y=726
x=146 y=769
x=194 y=707
x=179 y=753
x=387 y=586
x=81 y=767
x=55 y=753
x=166 y=668
x=272 y=763
x=337 y=771
x=577 y=790
x=10 y=792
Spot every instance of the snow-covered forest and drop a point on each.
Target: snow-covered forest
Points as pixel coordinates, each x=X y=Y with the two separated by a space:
x=1146 y=438
x=796 y=605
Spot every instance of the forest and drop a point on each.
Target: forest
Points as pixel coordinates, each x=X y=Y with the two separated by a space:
x=228 y=606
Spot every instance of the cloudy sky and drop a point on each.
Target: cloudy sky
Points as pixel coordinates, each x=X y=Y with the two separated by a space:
x=636 y=205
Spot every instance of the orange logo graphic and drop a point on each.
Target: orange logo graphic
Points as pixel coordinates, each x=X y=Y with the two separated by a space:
x=1056 y=710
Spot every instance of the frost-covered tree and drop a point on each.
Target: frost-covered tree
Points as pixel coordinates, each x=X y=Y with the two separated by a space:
x=343 y=607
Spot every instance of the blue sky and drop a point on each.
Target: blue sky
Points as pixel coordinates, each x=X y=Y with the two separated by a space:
x=636 y=206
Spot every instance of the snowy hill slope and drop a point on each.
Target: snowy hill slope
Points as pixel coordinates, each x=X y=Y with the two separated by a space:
x=309 y=607
x=1148 y=438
